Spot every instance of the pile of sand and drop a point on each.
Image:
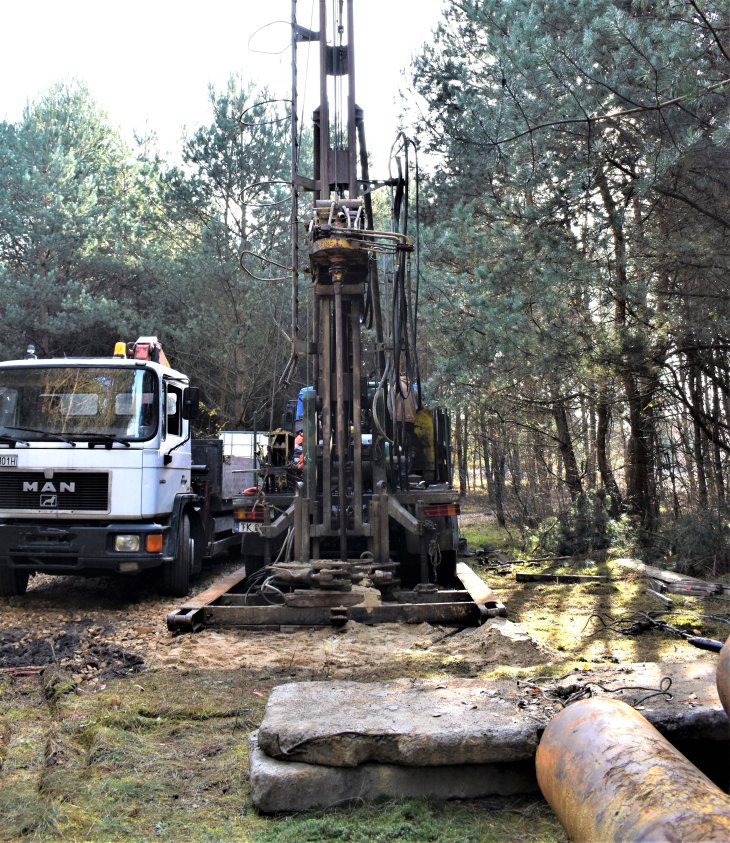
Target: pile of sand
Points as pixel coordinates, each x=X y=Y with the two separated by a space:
x=498 y=641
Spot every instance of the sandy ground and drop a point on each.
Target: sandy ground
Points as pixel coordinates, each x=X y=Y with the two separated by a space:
x=99 y=628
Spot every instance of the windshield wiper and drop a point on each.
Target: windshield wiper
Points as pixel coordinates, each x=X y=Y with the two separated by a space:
x=57 y=436
x=106 y=439
x=12 y=440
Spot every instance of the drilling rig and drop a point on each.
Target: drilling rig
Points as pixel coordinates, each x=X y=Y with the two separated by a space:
x=353 y=515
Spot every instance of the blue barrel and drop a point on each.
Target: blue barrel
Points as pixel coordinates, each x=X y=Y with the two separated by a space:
x=300 y=405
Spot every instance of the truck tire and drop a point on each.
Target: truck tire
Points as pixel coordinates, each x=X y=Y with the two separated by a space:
x=12 y=582
x=176 y=574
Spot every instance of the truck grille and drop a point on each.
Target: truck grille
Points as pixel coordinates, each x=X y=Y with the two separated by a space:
x=77 y=491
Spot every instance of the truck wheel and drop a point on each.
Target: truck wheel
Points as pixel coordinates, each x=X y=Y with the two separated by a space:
x=176 y=574
x=12 y=582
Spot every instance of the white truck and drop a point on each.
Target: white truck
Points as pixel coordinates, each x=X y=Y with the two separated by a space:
x=99 y=473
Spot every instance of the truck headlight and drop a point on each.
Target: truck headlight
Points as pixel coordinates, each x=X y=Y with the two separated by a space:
x=127 y=542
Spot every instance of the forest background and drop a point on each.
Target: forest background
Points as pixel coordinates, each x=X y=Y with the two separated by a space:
x=573 y=274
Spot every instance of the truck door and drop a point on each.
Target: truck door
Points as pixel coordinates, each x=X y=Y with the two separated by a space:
x=174 y=468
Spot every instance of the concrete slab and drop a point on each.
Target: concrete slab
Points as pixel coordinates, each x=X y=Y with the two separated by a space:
x=285 y=786
x=469 y=721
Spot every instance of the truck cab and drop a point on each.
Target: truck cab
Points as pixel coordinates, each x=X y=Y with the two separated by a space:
x=95 y=469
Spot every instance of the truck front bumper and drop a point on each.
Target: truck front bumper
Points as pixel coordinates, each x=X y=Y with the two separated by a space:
x=80 y=547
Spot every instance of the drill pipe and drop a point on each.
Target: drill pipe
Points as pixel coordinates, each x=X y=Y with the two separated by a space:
x=723 y=676
x=609 y=775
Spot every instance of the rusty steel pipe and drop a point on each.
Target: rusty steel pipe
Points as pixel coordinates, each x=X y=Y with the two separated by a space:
x=723 y=676
x=609 y=775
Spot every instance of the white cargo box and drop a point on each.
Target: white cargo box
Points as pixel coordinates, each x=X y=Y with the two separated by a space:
x=240 y=459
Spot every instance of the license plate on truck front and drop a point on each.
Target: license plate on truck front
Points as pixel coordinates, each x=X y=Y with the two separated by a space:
x=8 y=460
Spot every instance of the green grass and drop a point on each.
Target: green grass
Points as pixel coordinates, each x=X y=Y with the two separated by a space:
x=164 y=757
x=489 y=536
x=563 y=615
x=450 y=822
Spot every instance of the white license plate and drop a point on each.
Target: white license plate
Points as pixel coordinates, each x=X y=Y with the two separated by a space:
x=8 y=460
x=244 y=527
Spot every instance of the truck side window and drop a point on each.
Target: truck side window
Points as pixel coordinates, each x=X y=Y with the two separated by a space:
x=173 y=410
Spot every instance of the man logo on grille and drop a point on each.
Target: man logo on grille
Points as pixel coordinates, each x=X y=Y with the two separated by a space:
x=49 y=500
x=35 y=486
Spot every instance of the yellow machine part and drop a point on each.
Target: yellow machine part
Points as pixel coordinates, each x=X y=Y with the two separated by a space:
x=424 y=432
x=281 y=447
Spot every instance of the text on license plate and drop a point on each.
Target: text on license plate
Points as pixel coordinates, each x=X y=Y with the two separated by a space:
x=8 y=460
x=243 y=527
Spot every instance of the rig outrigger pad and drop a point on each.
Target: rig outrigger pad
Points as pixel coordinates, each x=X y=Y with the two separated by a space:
x=341 y=591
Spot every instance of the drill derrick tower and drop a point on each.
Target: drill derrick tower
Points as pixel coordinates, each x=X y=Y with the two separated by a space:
x=342 y=249
x=368 y=440
x=355 y=518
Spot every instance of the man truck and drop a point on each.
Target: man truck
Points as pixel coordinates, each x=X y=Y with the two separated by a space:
x=99 y=473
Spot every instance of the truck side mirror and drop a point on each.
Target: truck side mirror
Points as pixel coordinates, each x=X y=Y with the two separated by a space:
x=191 y=401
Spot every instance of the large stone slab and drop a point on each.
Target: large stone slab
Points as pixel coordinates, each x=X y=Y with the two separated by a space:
x=417 y=723
x=470 y=721
x=285 y=786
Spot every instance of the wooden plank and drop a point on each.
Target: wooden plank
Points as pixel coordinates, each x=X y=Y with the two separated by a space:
x=666 y=601
x=672 y=577
x=448 y=614
x=480 y=592
x=189 y=617
x=652 y=571
x=546 y=576
x=301 y=598
x=690 y=587
x=216 y=590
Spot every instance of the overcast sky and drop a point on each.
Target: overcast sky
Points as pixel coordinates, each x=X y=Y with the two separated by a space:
x=148 y=63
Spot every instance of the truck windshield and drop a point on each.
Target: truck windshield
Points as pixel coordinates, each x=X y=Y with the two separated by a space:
x=45 y=402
